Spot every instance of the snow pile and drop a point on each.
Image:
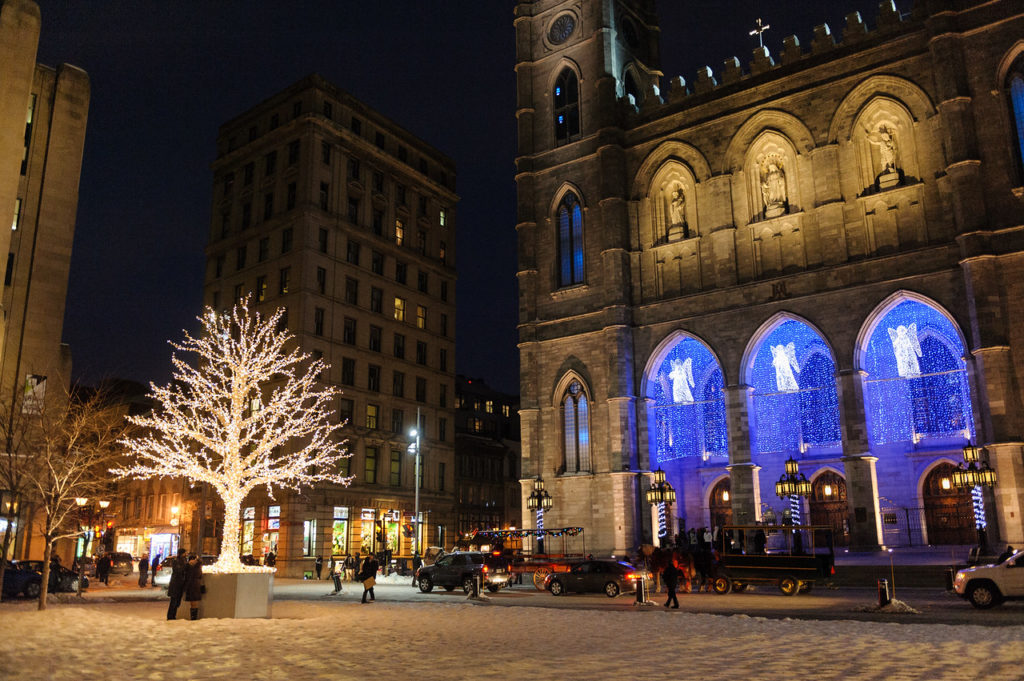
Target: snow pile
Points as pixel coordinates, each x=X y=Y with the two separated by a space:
x=340 y=640
x=893 y=606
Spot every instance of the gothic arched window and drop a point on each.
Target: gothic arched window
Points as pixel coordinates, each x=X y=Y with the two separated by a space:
x=567 y=107
x=576 y=429
x=1015 y=86
x=570 y=241
x=633 y=88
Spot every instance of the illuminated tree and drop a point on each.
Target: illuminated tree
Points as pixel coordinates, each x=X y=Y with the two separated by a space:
x=251 y=413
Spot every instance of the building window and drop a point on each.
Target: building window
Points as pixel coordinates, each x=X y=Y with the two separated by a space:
x=322 y=240
x=318 y=321
x=505 y=410
x=398 y=384
x=421 y=242
x=442 y=429
x=348 y=371
x=444 y=325
x=421 y=317
x=442 y=253
x=286 y=239
x=229 y=183
x=268 y=206
x=373 y=378
x=290 y=198
x=352 y=252
x=348 y=331
x=421 y=353
x=378 y=222
x=370 y=469
x=570 y=240
x=399 y=309
x=356 y=126
x=489 y=406
x=440 y=475
x=328 y=110
x=400 y=194
x=247 y=173
x=395 y=478
x=282 y=321
x=576 y=429
x=353 y=169
x=321 y=280
x=246 y=214
x=422 y=281
x=442 y=396
x=284 y=280
x=353 y=210
x=296 y=109
x=308 y=537
x=443 y=360
x=399 y=348
x=372 y=414
x=225 y=222
x=401 y=272
x=339 y=529
x=375 y=338
x=263 y=249
x=378 y=182
x=442 y=218
x=377 y=263
x=346 y=408
x=378 y=139
x=403 y=154
x=240 y=258
x=9 y=277
x=397 y=420
x=351 y=291
x=239 y=293
x=399 y=232
x=376 y=300
x=567 y=107
x=421 y=389
x=325 y=152
x=324 y=195
x=261 y=288
x=293 y=153
x=270 y=164
x=1015 y=85
x=275 y=121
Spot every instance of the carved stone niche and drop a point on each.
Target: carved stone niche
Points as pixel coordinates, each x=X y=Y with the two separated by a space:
x=772 y=182
x=672 y=204
x=884 y=146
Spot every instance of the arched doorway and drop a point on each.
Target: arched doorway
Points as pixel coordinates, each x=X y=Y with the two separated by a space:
x=720 y=504
x=948 y=511
x=828 y=507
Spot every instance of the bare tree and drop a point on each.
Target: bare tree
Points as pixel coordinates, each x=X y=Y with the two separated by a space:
x=76 y=444
x=251 y=413
x=19 y=429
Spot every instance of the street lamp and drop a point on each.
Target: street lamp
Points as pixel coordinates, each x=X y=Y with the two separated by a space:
x=661 y=494
x=415 y=433
x=793 y=484
x=975 y=477
x=539 y=501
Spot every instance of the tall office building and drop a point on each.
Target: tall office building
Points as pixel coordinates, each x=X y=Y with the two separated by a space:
x=43 y=113
x=328 y=209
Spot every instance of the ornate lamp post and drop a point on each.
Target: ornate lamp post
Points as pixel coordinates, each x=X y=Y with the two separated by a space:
x=661 y=494
x=415 y=433
x=976 y=477
x=793 y=484
x=539 y=501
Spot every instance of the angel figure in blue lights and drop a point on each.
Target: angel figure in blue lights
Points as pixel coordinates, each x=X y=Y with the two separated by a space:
x=784 y=361
x=907 y=349
x=682 y=380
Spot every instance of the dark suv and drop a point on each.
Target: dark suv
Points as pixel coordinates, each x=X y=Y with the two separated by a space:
x=463 y=568
x=121 y=563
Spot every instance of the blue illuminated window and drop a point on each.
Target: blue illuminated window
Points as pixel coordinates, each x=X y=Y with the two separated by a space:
x=567 y=107
x=794 y=403
x=916 y=377
x=686 y=412
x=576 y=429
x=570 y=240
x=1015 y=83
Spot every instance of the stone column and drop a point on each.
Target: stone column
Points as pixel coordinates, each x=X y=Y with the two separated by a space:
x=744 y=482
x=1008 y=461
x=859 y=467
x=745 y=493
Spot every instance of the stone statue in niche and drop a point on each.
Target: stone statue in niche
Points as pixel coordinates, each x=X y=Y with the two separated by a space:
x=784 y=361
x=677 y=227
x=885 y=139
x=907 y=349
x=773 y=185
x=682 y=380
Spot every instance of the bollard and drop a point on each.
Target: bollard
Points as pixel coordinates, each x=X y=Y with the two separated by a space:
x=883 y=593
x=641 y=590
x=949 y=579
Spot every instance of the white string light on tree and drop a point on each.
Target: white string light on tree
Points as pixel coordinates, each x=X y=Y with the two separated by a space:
x=250 y=414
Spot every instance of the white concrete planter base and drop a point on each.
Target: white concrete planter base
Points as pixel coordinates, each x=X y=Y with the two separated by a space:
x=235 y=596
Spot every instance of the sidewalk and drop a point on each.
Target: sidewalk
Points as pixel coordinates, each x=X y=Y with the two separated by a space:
x=918 y=566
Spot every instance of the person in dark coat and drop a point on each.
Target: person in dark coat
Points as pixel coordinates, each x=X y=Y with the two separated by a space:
x=154 y=566
x=176 y=587
x=143 y=570
x=336 y=570
x=270 y=560
x=194 y=584
x=671 y=577
x=103 y=568
x=368 y=572
x=417 y=563
x=318 y=565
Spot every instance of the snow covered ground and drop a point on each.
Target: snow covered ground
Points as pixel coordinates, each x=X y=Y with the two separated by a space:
x=341 y=640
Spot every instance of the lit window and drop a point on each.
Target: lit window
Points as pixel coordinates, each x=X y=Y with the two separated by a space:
x=442 y=218
x=1015 y=85
x=489 y=407
x=261 y=288
x=399 y=309
x=576 y=433
x=17 y=214
x=570 y=240
x=567 y=107
x=399 y=232
x=370 y=469
x=372 y=412
x=421 y=317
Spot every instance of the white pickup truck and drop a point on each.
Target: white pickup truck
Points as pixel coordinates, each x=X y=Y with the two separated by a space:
x=988 y=585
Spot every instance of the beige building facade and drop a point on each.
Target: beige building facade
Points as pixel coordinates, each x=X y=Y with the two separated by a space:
x=812 y=255
x=328 y=209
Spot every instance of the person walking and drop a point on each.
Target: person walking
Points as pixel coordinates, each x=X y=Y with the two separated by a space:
x=671 y=577
x=368 y=575
x=154 y=566
x=336 y=570
x=176 y=587
x=351 y=565
x=417 y=562
x=143 y=570
x=318 y=565
x=194 y=585
x=103 y=568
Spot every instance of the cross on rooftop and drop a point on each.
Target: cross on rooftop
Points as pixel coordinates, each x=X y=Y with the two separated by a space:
x=761 y=28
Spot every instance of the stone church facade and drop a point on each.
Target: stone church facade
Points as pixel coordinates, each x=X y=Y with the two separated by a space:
x=818 y=255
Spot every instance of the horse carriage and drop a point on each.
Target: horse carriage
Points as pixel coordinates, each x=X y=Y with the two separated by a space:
x=529 y=559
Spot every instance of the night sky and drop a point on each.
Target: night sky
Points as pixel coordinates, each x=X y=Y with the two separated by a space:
x=166 y=74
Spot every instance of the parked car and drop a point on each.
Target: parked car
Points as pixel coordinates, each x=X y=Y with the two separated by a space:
x=87 y=566
x=163 y=574
x=30 y=576
x=610 y=577
x=462 y=568
x=21 y=581
x=988 y=585
x=121 y=563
